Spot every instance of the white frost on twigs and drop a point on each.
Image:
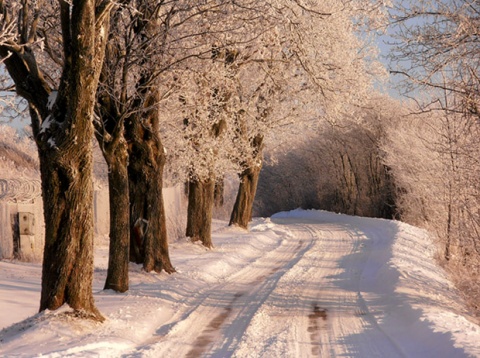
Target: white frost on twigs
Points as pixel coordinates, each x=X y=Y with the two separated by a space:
x=19 y=190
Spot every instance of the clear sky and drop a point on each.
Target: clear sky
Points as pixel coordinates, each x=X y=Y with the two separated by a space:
x=11 y=116
x=385 y=45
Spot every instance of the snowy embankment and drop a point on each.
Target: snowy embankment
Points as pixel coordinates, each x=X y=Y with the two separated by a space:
x=301 y=284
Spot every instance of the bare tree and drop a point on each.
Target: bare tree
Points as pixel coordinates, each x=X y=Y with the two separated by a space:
x=437 y=47
x=207 y=105
x=433 y=158
x=128 y=131
x=62 y=127
x=436 y=52
x=148 y=44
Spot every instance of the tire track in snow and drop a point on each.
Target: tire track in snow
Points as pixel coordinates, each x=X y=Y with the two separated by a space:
x=192 y=300
x=301 y=299
x=324 y=308
x=352 y=329
x=232 y=305
x=263 y=286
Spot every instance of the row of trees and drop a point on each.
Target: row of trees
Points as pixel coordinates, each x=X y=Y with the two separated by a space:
x=212 y=78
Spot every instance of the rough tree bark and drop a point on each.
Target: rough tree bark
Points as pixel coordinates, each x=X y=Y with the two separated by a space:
x=114 y=149
x=117 y=275
x=242 y=209
x=199 y=211
x=149 y=241
x=62 y=128
x=110 y=136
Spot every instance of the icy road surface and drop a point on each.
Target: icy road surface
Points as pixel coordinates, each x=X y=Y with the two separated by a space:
x=301 y=284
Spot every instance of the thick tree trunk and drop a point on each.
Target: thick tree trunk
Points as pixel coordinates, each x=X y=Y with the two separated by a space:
x=149 y=241
x=65 y=151
x=242 y=209
x=62 y=127
x=118 y=259
x=199 y=212
x=68 y=201
x=110 y=133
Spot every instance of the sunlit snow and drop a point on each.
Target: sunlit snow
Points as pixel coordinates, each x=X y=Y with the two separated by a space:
x=299 y=284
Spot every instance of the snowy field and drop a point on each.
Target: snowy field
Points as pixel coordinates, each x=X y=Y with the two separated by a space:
x=300 y=284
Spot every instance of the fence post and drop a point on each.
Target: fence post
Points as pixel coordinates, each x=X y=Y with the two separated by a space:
x=6 y=237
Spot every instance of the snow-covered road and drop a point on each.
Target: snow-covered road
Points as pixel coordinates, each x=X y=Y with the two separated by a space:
x=302 y=284
x=222 y=315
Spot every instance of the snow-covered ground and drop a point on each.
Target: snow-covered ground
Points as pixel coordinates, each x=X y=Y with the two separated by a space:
x=299 y=284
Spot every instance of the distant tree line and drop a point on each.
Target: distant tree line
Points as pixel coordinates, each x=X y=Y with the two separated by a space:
x=340 y=167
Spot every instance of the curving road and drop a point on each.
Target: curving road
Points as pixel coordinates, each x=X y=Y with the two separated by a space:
x=302 y=284
x=313 y=295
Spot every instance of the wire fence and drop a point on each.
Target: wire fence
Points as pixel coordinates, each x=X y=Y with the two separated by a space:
x=19 y=190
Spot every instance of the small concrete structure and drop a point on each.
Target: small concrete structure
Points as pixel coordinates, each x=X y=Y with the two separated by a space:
x=21 y=219
x=22 y=227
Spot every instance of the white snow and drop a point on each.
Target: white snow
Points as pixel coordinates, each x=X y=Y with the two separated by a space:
x=51 y=99
x=299 y=284
x=46 y=124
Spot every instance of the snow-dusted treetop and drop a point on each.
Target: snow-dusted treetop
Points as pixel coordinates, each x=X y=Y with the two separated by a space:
x=265 y=68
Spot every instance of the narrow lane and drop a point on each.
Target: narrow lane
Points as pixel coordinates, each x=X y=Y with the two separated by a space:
x=312 y=295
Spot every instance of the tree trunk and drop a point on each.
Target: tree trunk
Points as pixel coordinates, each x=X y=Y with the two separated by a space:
x=148 y=230
x=110 y=133
x=62 y=128
x=242 y=209
x=68 y=210
x=149 y=241
x=199 y=212
x=118 y=258
x=219 y=191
